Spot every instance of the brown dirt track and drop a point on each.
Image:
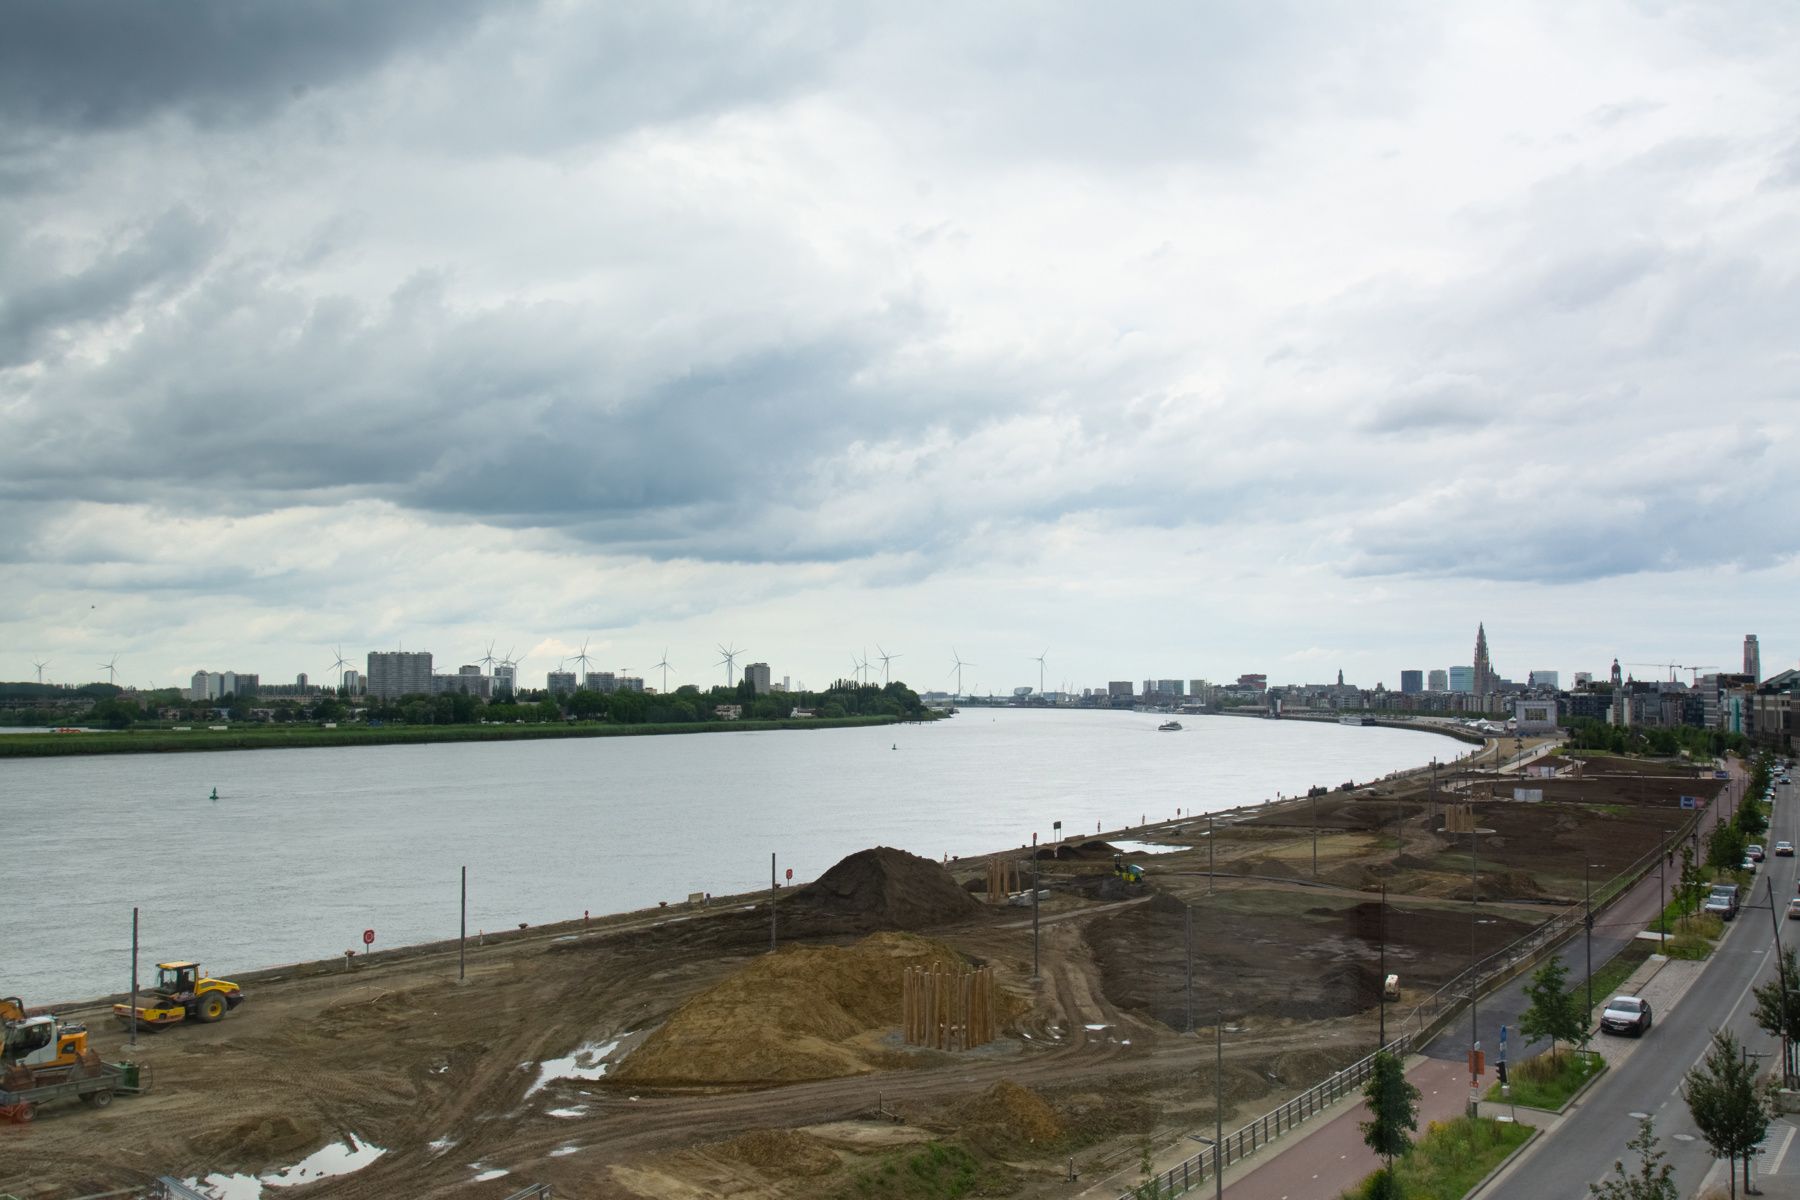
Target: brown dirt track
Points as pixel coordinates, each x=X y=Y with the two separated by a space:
x=402 y=1055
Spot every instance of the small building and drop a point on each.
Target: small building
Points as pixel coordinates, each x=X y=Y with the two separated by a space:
x=728 y=712
x=1532 y=718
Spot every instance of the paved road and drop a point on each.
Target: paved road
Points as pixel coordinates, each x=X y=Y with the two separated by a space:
x=1595 y=1131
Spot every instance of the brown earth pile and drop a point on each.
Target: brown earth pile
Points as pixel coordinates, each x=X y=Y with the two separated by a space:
x=782 y=1152
x=1007 y=1116
x=787 y=1017
x=882 y=888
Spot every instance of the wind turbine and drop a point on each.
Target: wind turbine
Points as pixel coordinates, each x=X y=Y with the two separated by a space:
x=1039 y=660
x=663 y=665
x=886 y=658
x=40 y=669
x=108 y=667
x=488 y=660
x=584 y=660
x=960 y=664
x=339 y=665
x=729 y=662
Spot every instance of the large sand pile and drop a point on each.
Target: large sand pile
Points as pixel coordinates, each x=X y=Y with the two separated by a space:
x=804 y=1013
x=1008 y=1117
x=882 y=888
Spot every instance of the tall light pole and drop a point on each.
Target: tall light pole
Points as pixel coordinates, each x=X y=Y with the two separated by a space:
x=1212 y=853
x=1315 y=823
x=1587 y=930
x=1381 y=1044
x=1034 y=909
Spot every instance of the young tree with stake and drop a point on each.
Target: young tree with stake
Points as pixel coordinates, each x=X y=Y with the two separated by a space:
x=1654 y=1179
x=1554 y=1012
x=1394 y=1112
x=1733 y=1113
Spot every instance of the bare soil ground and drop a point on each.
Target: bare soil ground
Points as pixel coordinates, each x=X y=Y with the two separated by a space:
x=792 y=1079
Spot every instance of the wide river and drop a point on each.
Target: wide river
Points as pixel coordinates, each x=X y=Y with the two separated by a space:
x=304 y=849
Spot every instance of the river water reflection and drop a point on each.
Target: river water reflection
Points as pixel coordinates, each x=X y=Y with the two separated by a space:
x=306 y=848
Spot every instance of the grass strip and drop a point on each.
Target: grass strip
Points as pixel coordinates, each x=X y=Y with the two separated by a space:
x=1451 y=1158
x=1546 y=1082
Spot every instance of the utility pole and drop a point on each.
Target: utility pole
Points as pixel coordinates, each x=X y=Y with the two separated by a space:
x=1315 y=823
x=1381 y=1044
x=1034 y=909
x=1662 y=894
x=1212 y=853
x=462 y=938
x=1187 y=918
x=134 y=972
x=1587 y=931
x=1780 y=974
x=1219 y=1106
x=773 y=887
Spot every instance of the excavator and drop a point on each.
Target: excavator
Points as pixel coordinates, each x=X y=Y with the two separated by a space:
x=39 y=1050
x=182 y=992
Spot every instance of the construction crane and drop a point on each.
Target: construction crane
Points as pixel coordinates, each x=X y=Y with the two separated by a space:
x=1674 y=667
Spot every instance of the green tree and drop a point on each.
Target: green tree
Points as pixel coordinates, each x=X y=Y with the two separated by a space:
x=1778 y=1000
x=1725 y=846
x=1654 y=1179
x=1690 y=885
x=1393 y=1111
x=1733 y=1113
x=1554 y=1012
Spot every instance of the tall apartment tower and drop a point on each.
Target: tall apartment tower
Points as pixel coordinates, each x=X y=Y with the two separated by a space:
x=1485 y=678
x=396 y=673
x=1752 y=658
x=757 y=674
x=1438 y=680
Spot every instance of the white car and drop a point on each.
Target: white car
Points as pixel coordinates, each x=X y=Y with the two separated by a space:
x=1626 y=1014
x=1784 y=849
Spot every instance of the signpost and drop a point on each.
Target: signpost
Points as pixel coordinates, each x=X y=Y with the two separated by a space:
x=368 y=937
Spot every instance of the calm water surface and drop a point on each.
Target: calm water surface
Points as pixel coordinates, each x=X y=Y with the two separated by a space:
x=306 y=848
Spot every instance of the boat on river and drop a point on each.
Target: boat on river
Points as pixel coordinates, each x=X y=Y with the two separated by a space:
x=1169 y=727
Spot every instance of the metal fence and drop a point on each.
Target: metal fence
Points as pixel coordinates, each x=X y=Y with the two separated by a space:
x=170 y=1188
x=1420 y=1023
x=1246 y=1140
x=537 y=1191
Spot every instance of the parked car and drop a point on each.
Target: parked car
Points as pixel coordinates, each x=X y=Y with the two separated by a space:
x=1626 y=1014
x=1794 y=909
x=1753 y=852
x=1723 y=902
x=1784 y=849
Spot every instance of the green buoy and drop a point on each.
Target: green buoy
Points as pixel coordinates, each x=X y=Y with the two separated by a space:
x=215 y=794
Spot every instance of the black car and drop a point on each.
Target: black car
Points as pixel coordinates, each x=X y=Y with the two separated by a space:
x=1626 y=1014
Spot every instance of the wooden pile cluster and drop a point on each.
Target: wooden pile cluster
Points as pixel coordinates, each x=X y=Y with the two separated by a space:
x=949 y=1008
x=1003 y=879
x=1459 y=818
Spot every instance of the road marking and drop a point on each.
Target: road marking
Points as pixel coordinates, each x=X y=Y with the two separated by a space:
x=1775 y=1163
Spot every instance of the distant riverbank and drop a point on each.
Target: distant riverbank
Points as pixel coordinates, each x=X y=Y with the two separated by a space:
x=308 y=737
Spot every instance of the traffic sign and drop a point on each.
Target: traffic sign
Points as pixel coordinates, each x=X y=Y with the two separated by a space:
x=368 y=937
x=790 y=874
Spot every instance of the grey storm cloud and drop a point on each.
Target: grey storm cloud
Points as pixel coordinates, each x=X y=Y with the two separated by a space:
x=103 y=64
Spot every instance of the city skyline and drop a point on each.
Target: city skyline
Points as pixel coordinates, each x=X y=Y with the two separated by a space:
x=1321 y=339
x=535 y=678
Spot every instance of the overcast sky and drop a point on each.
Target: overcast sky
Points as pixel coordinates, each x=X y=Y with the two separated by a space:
x=1178 y=340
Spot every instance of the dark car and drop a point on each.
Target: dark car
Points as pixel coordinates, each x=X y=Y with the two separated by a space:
x=1626 y=1014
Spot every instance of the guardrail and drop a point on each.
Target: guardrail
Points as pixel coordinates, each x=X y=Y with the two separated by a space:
x=170 y=1188
x=1426 y=1018
x=537 y=1191
x=1247 y=1139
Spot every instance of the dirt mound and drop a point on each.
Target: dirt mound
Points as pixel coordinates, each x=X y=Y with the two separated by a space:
x=259 y=1139
x=1007 y=1116
x=780 y=1152
x=884 y=888
x=1502 y=885
x=790 y=1016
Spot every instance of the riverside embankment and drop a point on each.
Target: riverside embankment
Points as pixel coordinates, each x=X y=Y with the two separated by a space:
x=304 y=851
x=312 y=737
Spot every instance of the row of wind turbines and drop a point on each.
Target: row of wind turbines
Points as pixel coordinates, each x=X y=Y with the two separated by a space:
x=961 y=662
x=110 y=666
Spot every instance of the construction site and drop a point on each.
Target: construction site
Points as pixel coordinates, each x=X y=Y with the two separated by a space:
x=1035 y=1023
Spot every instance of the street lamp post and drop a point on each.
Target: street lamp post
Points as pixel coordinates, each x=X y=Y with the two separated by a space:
x=1034 y=909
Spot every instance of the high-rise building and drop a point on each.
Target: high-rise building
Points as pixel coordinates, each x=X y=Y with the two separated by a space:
x=1412 y=682
x=1462 y=679
x=505 y=674
x=1752 y=658
x=353 y=682
x=600 y=681
x=758 y=676
x=1485 y=678
x=1171 y=687
x=1549 y=679
x=396 y=673
x=215 y=685
x=1439 y=681
x=1118 y=687
x=560 y=683
x=1582 y=679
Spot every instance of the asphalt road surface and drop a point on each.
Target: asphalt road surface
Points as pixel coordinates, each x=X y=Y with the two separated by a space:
x=1593 y=1134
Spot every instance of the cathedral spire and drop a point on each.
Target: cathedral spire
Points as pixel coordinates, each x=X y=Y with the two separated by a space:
x=1486 y=679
